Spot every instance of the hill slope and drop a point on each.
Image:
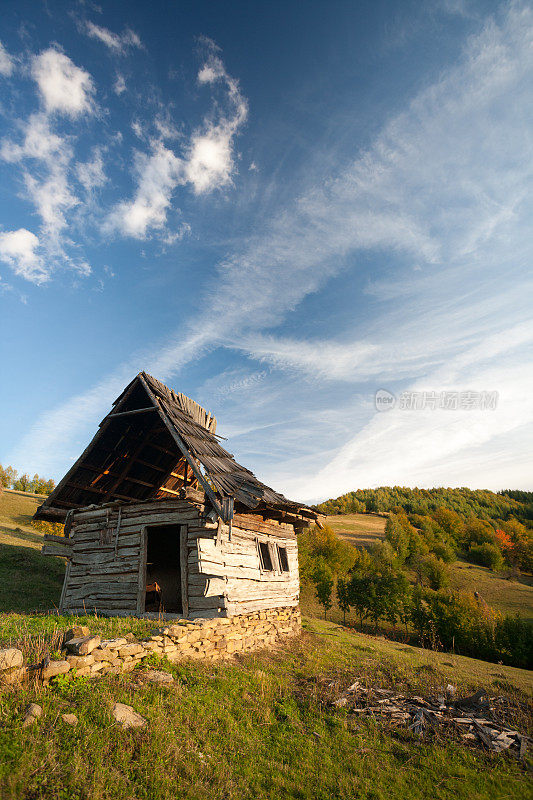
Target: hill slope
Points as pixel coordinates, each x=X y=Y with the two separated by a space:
x=259 y=727
x=28 y=580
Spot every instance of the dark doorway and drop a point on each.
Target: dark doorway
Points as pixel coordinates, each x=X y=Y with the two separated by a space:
x=163 y=569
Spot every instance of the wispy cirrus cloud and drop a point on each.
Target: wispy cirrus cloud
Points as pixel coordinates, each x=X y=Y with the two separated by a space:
x=7 y=64
x=444 y=187
x=118 y=43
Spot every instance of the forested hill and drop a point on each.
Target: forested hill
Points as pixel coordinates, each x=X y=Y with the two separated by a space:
x=479 y=503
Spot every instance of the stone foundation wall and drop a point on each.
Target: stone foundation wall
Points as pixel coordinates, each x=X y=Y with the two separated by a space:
x=208 y=639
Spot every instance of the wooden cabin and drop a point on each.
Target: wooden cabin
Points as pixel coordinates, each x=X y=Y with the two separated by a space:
x=159 y=517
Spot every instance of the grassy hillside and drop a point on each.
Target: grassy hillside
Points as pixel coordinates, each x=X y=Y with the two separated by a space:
x=16 y=511
x=362 y=530
x=506 y=596
x=28 y=580
x=259 y=727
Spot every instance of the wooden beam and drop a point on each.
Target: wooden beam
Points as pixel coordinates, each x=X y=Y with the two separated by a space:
x=129 y=464
x=181 y=444
x=134 y=411
x=162 y=449
x=152 y=466
x=169 y=491
x=99 y=491
x=114 y=475
x=184 y=567
x=63 y=482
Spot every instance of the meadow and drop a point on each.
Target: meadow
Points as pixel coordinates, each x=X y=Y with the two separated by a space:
x=260 y=726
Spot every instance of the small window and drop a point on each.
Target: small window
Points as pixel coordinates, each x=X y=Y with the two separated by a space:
x=283 y=559
x=265 y=557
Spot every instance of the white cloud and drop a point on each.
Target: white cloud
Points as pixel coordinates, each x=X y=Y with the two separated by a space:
x=64 y=87
x=118 y=42
x=7 y=65
x=165 y=127
x=207 y=162
x=48 y=187
x=39 y=142
x=18 y=249
x=53 y=198
x=210 y=163
x=119 y=87
x=158 y=175
x=91 y=174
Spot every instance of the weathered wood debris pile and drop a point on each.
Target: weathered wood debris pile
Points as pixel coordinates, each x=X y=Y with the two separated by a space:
x=475 y=719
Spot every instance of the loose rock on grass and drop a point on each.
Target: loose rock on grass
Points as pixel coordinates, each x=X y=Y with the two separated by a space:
x=32 y=714
x=127 y=717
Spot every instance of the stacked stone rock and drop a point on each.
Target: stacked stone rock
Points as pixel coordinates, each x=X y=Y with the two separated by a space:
x=208 y=639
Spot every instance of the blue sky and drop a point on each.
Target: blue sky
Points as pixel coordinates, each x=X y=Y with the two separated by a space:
x=278 y=209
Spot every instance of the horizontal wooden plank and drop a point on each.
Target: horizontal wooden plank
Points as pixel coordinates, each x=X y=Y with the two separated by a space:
x=105 y=557
x=124 y=540
x=196 y=603
x=62 y=540
x=111 y=568
x=56 y=550
x=113 y=611
x=112 y=579
x=233 y=609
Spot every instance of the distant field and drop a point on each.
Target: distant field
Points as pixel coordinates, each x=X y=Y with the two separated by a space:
x=509 y=597
x=361 y=530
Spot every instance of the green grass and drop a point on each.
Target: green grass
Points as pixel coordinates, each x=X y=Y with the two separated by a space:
x=260 y=727
x=28 y=580
x=506 y=596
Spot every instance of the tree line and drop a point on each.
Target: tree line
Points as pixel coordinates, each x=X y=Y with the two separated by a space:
x=10 y=479
x=489 y=529
x=480 y=503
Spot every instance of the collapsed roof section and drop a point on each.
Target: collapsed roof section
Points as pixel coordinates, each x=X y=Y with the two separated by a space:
x=153 y=444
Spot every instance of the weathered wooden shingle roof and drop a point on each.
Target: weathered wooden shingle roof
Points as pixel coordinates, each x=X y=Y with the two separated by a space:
x=153 y=443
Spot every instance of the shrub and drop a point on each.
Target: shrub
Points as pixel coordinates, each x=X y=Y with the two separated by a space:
x=453 y=622
x=486 y=555
x=322 y=546
x=513 y=640
x=431 y=572
x=444 y=551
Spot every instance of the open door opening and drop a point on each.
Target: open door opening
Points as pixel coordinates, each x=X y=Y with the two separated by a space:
x=163 y=569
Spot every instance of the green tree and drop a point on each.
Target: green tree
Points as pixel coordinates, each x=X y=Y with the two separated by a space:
x=22 y=484
x=343 y=596
x=323 y=580
x=397 y=537
x=431 y=571
x=486 y=555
